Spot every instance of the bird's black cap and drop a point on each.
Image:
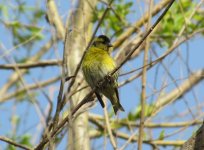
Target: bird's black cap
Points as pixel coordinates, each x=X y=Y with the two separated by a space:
x=106 y=40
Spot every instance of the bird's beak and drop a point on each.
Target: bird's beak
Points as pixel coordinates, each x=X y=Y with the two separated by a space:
x=110 y=45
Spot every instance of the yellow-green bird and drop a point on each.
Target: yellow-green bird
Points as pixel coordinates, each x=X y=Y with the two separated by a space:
x=97 y=64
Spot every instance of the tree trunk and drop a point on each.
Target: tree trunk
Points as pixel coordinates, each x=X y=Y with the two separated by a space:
x=79 y=29
x=196 y=142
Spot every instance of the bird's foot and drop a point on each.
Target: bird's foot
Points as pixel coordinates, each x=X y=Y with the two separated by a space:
x=109 y=78
x=99 y=85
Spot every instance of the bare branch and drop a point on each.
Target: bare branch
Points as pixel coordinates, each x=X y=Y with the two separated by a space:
x=9 y=141
x=126 y=123
x=134 y=139
x=107 y=121
x=55 y=19
x=31 y=64
x=14 y=77
x=29 y=87
x=178 y=92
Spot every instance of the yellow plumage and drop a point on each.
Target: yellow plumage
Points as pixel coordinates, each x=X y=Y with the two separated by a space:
x=96 y=64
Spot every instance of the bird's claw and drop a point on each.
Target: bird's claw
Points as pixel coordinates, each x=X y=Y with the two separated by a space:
x=100 y=85
x=109 y=78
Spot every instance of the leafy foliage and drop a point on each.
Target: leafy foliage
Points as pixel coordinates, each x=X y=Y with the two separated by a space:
x=116 y=19
x=136 y=114
x=21 y=30
x=175 y=20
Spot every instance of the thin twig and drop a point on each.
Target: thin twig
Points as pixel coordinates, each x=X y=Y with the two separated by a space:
x=29 y=87
x=10 y=142
x=144 y=80
x=193 y=79
x=31 y=64
x=107 y=121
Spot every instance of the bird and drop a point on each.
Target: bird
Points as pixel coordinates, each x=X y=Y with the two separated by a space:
x=96 y=65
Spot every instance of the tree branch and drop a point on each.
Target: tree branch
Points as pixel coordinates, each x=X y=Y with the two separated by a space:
x=31 y=64
x=29 y=87
x=9 y=141
x=55 y=19
x=128 y=123
x=178 y=92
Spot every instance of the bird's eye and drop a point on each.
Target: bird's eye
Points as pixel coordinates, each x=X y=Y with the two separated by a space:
x=94 y=43
x=104 y=42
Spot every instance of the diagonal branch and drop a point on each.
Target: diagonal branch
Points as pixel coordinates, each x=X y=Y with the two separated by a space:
x=178 y=92
x=29 y=87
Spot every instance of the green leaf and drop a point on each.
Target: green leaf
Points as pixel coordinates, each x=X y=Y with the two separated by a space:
x=4 y=11
x=15 y=24
x=132 y=116
x=39 y=14
x=161 y=135
x=26 y=140
x=136 y=115
x=34 y=29
x=115 y=125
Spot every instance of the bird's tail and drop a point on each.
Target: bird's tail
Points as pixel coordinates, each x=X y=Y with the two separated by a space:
x=117 y=107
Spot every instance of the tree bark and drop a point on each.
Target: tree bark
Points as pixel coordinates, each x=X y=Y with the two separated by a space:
x=78 y=29
x=196 y=142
